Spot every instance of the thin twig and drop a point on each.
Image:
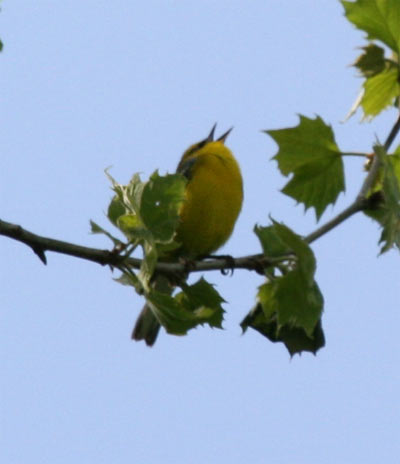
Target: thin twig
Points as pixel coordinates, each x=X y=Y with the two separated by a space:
x=345 y=214
x=369 y=180
x=392 y=135
x=360 y=201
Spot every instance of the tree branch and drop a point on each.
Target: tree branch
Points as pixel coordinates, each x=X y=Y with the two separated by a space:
x=41 y=244
x=112 y=258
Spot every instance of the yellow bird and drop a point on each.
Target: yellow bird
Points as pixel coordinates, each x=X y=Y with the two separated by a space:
x=213 y=200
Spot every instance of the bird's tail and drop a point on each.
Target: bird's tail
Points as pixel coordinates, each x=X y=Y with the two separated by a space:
x=146 y=327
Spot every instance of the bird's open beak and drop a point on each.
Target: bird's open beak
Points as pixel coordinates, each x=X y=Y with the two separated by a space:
x=210 y=137
x=224 y=136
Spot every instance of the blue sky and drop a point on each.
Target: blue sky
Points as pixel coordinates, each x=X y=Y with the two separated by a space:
x=130 y=85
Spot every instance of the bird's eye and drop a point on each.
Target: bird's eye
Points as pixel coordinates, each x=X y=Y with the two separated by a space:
x=201 y=144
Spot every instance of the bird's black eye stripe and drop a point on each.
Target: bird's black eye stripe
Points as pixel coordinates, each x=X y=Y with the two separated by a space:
x=198 y=146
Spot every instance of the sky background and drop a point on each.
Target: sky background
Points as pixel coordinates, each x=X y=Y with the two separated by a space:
x=129 y=84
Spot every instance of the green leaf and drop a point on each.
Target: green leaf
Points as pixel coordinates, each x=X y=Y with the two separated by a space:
x=279 y=240
x=372 y=61
x=298 y=303
x=197 y=304
x=115 y=185
x=291 y=301
x=132 y=194
x=130 y=279
x=289 y=306
x=271 y=243
x=133 y=228
x=115 y=209
x=391 y=191
x=96 y=229
x=380 y=91
x=175 y=319
x=309 y=152
x=391 y=232
x=380 y=19
x=147 y=211
x=306 y=263
x=295 y=339
x=1 y=45
x=126 y=279
x=160 y=203
x=387 y=189
x=128 y=196
x=204 y=301
x=266 y=298
x=148 y=263
x=310 y=141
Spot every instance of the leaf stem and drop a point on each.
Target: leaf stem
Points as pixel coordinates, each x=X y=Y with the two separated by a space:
x=361 y=155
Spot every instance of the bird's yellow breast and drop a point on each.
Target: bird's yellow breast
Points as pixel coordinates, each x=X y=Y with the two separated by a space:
x=213 y=199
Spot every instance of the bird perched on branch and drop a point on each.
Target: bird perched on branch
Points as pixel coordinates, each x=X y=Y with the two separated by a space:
x=213 y=199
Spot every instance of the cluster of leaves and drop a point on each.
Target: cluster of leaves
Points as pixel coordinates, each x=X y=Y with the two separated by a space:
x=380 y=19
x=289 y=306
x=147 y=214
x=379 y=66
x=289 y=303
